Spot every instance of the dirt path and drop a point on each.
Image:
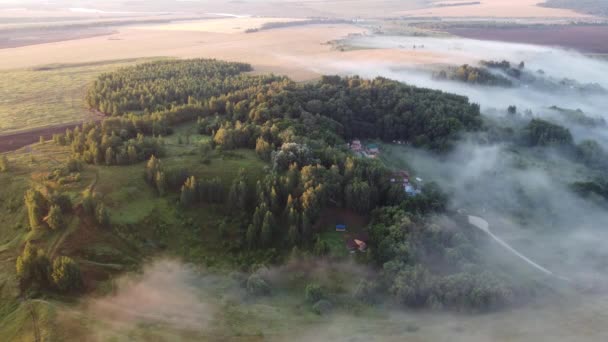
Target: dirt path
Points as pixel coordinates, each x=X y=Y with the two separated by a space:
x=15 y=141
x=484 y=226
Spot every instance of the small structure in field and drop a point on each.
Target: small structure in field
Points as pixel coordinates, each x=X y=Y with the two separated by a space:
x=340 y=227
x=361 y=245
x=357 y=242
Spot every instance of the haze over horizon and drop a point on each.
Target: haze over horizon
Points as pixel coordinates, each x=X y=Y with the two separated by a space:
x=304 y=170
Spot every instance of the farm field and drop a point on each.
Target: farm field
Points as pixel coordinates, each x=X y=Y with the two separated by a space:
x=589 y=39
x=225 y=25
x=275 y=51
x=48 y=96
x=493 y=8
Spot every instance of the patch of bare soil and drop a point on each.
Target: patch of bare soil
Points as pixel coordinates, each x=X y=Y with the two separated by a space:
x=15 y=141
x=17 y=38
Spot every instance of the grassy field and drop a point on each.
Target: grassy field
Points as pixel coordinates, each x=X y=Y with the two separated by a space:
x=138 y=215
x=46 y=96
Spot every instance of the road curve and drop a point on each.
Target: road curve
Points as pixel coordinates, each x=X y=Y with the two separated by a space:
x=484 y=226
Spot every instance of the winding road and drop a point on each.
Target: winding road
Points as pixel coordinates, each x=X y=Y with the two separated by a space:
x=484 y=226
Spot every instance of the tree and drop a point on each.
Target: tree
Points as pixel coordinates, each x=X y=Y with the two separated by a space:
x=189 y=194
x=257 y=286
x=153 y=166
x=268 y=228
x=89 y=203
x=252 y=235
x=263 y=149
x=55 y=217
x=33 y=267
x=35 y=204
x=102 y=216
x=161 y=183
x=110 y=156
x=321 y=247
x=239 y=192
x=66 y=274
x=313 y=293
x=4 y=165
x=358 y=196
x=132 y=154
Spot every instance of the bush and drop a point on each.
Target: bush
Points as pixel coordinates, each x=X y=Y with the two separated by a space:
x=322 y=307
x=313 y=293
x=257 y=286
x=66 y=274
x=3 y=164
x=55 y=218
x=33 y=267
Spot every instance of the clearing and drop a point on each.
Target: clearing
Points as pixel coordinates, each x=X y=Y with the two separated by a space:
x=47 y=96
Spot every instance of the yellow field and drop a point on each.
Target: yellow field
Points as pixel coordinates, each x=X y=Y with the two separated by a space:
x=32 y=98
x=228 y=25
x=267 y=51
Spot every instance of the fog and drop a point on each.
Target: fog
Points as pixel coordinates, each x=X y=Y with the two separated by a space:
x=171 y=300
x=524 y=193
x=556 y=63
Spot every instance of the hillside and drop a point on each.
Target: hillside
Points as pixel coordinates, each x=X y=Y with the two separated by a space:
x=247 y=179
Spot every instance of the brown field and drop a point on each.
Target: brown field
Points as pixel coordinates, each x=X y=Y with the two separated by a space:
x=267 y=51
x=12 y=38
x=221 y=25
x=592 y=39
x=494 y=8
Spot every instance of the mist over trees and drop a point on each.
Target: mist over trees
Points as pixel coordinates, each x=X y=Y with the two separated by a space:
x=300 y=130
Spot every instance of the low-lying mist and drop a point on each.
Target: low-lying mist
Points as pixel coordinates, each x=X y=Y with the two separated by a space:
x=556 y=64
x=170 y=300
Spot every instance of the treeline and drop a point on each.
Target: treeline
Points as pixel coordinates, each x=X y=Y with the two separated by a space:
x=427 y=265
x=115 y=141
x=36 y=272
x=282 y=208
x=283 y=24
x=49 y=210
x=506 y=67
x=474 y=75
x=349 y=107
x=162 y=85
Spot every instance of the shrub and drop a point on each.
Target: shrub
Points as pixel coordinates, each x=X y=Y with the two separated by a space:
x=55 y=218
x=66 y=274
x=322 y=307
x=257 y=286
x=33 y=267
x=313 y=293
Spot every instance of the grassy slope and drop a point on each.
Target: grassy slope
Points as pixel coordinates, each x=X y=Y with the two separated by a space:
x=51 y=95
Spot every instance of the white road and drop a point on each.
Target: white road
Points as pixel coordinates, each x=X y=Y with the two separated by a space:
x=485 y=227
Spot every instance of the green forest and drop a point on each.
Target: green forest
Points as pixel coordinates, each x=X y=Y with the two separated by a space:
x=246 y=170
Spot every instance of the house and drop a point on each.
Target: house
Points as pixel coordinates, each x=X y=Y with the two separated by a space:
x=373 y=149
x=402 y=177
x=411 y=191
x=361 y=245
x=356 y=146
x=357 y=242
x=340 y=227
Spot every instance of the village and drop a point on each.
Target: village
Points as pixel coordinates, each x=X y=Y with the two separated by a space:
x=412 y=186
x=356 y=240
